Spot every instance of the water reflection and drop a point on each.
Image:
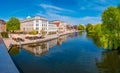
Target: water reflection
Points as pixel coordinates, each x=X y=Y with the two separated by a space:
x=110 y=62
x=38 y=49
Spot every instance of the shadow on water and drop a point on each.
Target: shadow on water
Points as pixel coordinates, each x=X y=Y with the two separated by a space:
x=110 y=62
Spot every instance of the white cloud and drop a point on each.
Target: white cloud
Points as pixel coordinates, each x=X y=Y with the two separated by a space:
x=97 y=5
x=89 y=19
x=72 y=20
x=52 y=7
x=52 y=13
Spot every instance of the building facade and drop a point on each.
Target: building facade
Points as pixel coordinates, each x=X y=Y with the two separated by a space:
x=36 y=23
x=52 y=29
x=61 y=26
x=2 y=26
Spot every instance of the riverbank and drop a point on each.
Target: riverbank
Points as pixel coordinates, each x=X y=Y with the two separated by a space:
x=9 y=41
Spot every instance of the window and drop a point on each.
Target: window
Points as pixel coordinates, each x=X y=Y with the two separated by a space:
x=37 y=24
x=37 y=28
x=37 y=20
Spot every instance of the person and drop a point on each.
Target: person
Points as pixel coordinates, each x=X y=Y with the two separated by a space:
x=10 y=45
x=20 y=43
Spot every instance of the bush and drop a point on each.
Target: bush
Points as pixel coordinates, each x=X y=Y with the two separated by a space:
x=4 y=34
x=33 y=32
x=43 y=32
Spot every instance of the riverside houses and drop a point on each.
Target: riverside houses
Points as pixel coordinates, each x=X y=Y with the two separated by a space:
x=2 y=25
x=52 y=28
x=36 y=23
x=61 y=26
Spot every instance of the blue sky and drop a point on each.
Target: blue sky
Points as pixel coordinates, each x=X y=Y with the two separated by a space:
x=70 y=11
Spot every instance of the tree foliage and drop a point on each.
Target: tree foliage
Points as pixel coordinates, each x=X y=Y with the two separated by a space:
x=81 y=27
x=13 y=24
x=90 y=28
x=43 y=32
x=111 y=19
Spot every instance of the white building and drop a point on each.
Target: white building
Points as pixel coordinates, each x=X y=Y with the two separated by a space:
x=36 y=23
x=61 y=26
x=52 y=29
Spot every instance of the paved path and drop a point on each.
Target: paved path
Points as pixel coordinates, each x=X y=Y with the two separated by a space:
x=6 y=63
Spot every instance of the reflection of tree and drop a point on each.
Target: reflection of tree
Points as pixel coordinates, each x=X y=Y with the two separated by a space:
x=81 y=33
x=43 y=46
x=14 y=51
x=110 y=62
x=96 y=39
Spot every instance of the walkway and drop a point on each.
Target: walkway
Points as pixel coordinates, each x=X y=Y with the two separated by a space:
x=6 y=63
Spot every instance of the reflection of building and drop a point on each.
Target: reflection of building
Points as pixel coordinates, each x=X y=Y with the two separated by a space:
x=110 y=62
x=52 y=43
x=36 y=49
x=2 y=26
x=36 y=23
x=41 y=48
x=61 y=39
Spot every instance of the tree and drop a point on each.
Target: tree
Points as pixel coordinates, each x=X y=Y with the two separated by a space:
x=89 y=28
x=97 y=29
x=81 y=27
x=13 y=24
x=118 y=7
x=111 y=19
x=43 y=32
x=111 y=24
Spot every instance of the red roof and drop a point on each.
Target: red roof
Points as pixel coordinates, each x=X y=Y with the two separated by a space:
x=56 y=22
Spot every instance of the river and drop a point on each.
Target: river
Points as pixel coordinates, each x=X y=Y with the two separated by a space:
x=73 y=53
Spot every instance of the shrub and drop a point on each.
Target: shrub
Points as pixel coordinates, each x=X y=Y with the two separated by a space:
x=43 y=32
x=33 y=32
x=4 y=34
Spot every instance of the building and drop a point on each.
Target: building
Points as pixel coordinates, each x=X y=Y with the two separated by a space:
x=61 y=26
x=52 y=29
x=2 y=25
x=36 y=23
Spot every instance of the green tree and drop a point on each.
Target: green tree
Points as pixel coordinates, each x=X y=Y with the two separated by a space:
x=111 y=23
x=90 y=28
x=118 y=27
x=13 y=24
x=111 y=19
x=118 y=7
x=81 y=27
x=43 y=32
x=97 y=29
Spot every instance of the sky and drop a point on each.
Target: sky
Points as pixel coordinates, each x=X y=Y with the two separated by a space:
x=70 y=11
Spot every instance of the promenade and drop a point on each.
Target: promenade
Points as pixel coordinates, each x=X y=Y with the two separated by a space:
x=9 y=41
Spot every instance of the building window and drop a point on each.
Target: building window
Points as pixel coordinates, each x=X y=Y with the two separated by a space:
x=37 y=24
x=37 y=28
x=37 y=20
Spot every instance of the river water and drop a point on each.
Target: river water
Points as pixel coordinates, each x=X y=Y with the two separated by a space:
x=72 y=53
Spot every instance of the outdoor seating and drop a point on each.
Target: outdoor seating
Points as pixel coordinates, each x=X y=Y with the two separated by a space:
x=33 y=37
x=18 y=39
